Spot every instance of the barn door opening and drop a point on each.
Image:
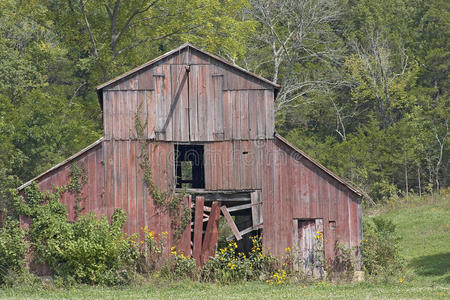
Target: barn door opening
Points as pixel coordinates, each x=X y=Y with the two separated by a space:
x=309 y=246
x=242 y=217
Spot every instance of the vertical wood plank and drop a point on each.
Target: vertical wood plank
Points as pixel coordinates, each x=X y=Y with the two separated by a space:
x=295 y=241
x=211 y=234
x=198 y=229
x=218 y=105
x=202 y=104
x=185 y=240
x=107 y=114
x=209 y=103
x=236 y=115
x=243 y=102
x=253 y=113
x=167 y=97
x=133 y=213
x=227 y=115
x=270 y=119
x=193 y=103
x=124 y=161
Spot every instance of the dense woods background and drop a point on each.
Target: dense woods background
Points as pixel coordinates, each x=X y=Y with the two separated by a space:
x=365 y=83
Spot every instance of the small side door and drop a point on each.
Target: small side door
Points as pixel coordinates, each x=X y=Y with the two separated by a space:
x=309 y=246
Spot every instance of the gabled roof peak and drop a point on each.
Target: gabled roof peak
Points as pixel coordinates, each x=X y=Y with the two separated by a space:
x=182 y=47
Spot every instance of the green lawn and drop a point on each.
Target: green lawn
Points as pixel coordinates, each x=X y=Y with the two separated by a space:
x=425 y=229
x=189 y=290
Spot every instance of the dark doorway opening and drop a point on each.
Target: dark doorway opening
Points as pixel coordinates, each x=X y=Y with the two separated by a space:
x=189 y=166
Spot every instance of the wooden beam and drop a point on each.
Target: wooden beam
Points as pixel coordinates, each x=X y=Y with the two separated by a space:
x=230 y=221
x=239 y=207
x=198 y=229
x=245 y=231
x=212 y=233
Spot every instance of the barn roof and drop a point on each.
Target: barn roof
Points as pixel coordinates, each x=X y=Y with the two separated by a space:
x=317 y=164
x=130 y=73
x=61 y=164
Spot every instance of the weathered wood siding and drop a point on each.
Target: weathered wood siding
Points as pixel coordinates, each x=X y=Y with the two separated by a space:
x=189 y=97
x=92 y=193
x=295 y=188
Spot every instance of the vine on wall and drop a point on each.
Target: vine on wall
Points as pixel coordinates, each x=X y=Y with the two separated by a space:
x=78 y=179
x=167 y=201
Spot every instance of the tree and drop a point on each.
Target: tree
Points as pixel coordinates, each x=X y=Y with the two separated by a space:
x=292 y=37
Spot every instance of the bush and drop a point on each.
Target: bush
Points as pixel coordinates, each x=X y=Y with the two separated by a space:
x=380 y=247
x=229 y=266
x=89 y=250
x=12 y=249
x=178 y=266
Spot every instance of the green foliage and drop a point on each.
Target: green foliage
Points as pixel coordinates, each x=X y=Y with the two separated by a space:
x=230 y=266
x=380 y=247
x=169 y=200
x=178 y=267
x=78 y=179
x=151 y=250
x=344 y=263
x=89 y=250
x=12 y=250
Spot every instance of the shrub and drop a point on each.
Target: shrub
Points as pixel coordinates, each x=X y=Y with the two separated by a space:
x=178 y=266
x=342 y=267
x=89 y=250
x=151 y=250
x=12 y=249
x=230 y=266
x=380 y=247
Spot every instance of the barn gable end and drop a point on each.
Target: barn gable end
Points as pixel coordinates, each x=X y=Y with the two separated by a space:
x=188 y=101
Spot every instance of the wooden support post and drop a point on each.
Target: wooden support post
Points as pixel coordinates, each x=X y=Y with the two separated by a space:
x=212 y=232
x=198 y=229
x=256 y=208
x=230 y=221
x=185 y=239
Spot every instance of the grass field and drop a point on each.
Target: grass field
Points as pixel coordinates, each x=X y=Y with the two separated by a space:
x=424 y=226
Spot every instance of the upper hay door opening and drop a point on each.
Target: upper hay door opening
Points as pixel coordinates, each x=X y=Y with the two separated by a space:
x=188 y=95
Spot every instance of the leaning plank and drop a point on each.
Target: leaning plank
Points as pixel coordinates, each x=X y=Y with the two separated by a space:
x=198 y=229
x=212 y=233
x=231 y=222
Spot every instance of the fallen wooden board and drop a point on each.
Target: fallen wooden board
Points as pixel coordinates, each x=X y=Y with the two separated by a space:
x=230 y=221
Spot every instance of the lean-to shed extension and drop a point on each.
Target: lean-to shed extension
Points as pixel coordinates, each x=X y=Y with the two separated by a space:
x=208 y=125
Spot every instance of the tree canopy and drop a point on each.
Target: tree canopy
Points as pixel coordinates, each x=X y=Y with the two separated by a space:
x=364 y=83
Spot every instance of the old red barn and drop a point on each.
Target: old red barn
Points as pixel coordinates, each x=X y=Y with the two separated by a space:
x=199 y=122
